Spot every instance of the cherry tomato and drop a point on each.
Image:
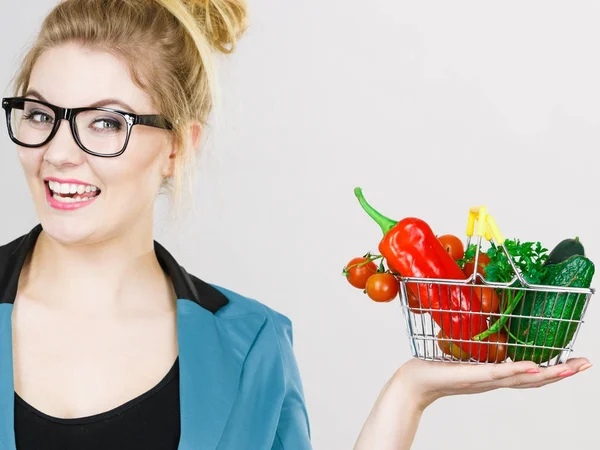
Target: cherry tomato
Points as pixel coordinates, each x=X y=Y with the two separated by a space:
x=489 y=299
x=497 y=348
x=451 y=349
x=413 y=300
x=359 y=273
x=382 y=287
x=469 y=266
x=453 y=246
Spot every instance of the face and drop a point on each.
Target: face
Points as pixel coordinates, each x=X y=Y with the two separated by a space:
x=123 y=188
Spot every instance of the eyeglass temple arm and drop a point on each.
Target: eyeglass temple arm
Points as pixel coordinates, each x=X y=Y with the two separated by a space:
x=156 y=121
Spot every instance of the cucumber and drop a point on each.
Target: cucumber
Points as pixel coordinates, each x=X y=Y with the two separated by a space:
x=565 y=249
x=542 y=330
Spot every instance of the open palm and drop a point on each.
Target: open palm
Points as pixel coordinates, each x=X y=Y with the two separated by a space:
x=432 y=380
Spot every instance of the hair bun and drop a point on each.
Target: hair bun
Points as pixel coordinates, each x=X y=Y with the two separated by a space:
x=223 y=21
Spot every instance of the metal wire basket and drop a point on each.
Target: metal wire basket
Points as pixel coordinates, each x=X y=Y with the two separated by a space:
x=550 y=335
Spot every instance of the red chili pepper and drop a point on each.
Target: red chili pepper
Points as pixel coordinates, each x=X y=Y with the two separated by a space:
x=412 y=249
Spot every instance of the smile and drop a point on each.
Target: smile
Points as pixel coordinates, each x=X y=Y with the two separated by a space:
x=69 y=196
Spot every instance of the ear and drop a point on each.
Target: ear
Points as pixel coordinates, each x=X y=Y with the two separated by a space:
x=194 y=135
x=169 y=164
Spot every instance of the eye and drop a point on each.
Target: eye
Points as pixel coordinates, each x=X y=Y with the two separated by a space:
x=38 y=117
x=106 y=125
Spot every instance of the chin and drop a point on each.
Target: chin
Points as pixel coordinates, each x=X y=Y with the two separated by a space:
x=69 y=230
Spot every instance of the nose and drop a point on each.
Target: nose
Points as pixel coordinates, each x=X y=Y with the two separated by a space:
x=63 y=150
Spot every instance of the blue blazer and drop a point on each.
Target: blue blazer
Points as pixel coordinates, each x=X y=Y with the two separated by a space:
x=240 y=387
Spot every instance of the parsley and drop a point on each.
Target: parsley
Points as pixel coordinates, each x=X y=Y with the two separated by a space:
x=469 y=255
x=528 y=257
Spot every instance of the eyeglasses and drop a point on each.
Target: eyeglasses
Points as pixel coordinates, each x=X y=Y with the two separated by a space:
x=100 y=132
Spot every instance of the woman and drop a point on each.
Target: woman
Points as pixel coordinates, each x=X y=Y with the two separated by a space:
x=105 y=340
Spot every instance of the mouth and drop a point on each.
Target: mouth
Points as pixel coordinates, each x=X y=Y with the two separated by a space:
x=72 y=192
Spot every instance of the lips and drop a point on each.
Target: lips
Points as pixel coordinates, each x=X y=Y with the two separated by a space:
x=70 y=195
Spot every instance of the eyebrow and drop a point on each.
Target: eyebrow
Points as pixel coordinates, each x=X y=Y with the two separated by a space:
x=98 y=104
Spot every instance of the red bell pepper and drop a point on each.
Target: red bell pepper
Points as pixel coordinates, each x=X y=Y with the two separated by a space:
x=412 y=249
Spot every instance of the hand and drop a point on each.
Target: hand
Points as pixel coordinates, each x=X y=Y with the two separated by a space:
x=429 y=381
x=393 y=421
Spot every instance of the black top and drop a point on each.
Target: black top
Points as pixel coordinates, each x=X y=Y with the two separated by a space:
x=150 y=422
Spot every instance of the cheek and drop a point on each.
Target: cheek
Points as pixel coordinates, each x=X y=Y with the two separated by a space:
x=31 y=161
x=137 y=171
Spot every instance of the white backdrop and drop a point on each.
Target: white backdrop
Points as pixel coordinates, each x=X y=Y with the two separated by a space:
x=431 y=107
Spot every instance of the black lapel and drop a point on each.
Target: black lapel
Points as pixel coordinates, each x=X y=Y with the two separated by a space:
x=12 y=259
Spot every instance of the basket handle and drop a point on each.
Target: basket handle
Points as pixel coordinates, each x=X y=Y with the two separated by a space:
x=486 y=225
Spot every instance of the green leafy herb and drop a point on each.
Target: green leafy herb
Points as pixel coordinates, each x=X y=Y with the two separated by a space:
x=528 y=257
x=469 y=255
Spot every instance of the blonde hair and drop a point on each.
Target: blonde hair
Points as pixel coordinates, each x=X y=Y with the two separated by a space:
x=168 y=46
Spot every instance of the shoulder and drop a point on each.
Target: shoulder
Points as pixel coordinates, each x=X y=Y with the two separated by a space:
x=265 y=333
x=8 y=249
x=242 y=305
x=12 y=258
x=241 y=312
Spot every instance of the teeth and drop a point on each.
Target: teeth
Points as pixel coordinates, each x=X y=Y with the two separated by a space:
x=70 y=199
x=61 y=199
x=70 y=188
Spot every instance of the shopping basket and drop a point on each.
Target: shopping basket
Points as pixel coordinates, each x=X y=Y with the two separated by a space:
x=551 y=333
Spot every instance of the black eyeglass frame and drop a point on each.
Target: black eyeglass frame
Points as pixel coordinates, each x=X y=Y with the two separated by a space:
x=70 y=115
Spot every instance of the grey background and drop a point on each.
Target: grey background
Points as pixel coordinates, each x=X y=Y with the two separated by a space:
x=431 y=107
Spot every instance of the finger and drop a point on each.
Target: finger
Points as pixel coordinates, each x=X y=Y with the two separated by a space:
x=494 y=373
x=557 y=373
x=576 y=364
x=570 y=367
x=507 y=370
x=538 y=384
x=544 y=381
x=523 y=381
x=540 y=377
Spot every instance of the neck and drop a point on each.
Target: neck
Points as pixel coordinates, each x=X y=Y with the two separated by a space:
x=102 y=277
